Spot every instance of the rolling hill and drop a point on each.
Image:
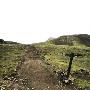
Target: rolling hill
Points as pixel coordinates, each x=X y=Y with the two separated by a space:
x=38 y=66
x=53 y=54
x=72 y=40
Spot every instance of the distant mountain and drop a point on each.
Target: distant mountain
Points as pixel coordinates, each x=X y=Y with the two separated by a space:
x=50 y=38
x=7 y=42
x=72 y=40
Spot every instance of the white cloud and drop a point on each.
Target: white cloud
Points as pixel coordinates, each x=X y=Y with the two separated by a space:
x=29 y=21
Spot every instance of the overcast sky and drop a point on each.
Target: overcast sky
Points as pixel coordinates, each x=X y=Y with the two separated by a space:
x=30 y=21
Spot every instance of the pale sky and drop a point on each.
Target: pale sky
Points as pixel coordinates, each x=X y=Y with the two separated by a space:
x=32 y=21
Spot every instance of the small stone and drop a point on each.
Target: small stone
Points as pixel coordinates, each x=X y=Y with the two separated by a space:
x=2 y=88
x=27 y=88
x=66 y=81
x=16 y=80
x=32 y=88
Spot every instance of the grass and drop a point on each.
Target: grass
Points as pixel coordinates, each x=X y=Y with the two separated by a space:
x=9 y=57
x=54 y=57
x=83 y=83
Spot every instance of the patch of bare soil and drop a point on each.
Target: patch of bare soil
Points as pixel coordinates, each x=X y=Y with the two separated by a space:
x=33 y=76
x=38 y=78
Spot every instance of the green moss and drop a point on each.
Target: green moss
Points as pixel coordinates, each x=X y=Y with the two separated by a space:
x=83 y=83
x=9 y=57
x=55 y=59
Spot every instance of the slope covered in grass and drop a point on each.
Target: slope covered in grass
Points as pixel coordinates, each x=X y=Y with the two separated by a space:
x=72 y=40
x=10 y=56
x=53 y=53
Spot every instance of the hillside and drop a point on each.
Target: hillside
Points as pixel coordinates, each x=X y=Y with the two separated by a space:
x=38 y=66
x=7 y=42
x=72 y=40
x=53 y=54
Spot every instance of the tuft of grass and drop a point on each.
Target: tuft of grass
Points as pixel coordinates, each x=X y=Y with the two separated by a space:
x=83 y=83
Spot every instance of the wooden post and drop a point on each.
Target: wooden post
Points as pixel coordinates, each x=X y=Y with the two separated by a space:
x=72 y=55
x=70 y=64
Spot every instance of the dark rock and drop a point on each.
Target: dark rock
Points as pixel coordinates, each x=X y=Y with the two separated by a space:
x=5 y=78
x=1 y=41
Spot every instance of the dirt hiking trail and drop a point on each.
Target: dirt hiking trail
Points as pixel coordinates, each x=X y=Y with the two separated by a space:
x=39 y=78
x=34 y=76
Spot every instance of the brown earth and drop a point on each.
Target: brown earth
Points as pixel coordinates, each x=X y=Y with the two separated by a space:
x=34 y=76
